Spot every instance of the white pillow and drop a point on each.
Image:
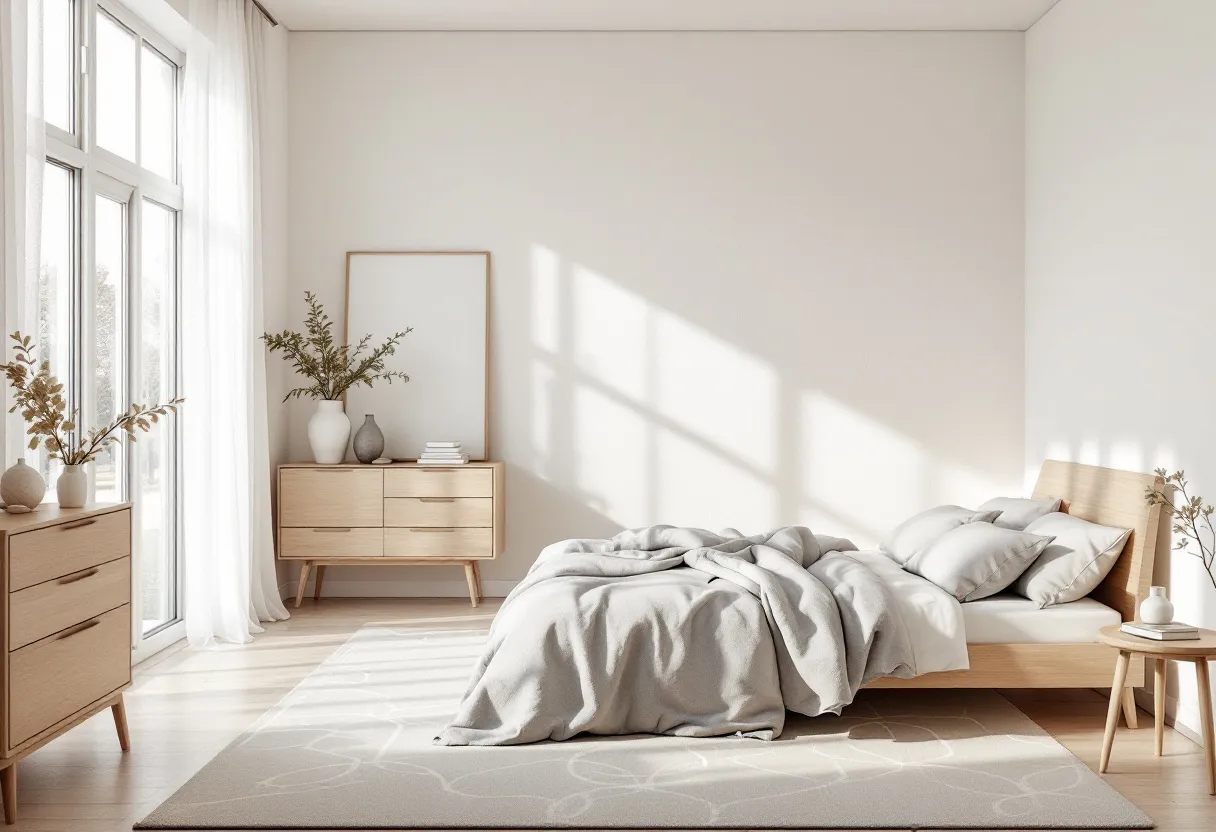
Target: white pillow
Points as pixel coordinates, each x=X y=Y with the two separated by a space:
x=977 y=560
x=1073 y=565
x=1017 y=512
x=911 y=536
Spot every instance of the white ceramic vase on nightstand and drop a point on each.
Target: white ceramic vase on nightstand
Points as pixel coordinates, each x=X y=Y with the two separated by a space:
x=328 y=432
x=1156 y=608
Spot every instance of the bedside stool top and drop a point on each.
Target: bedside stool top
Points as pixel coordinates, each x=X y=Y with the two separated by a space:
x=1205 y=645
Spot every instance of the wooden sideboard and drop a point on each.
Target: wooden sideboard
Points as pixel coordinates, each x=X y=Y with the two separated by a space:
x=401 y=514
x=66 y=627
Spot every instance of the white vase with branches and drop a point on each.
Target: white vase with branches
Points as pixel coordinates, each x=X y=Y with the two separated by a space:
x=333 y=369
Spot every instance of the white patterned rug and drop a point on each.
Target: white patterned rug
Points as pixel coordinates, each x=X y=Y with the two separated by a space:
x=350 y=748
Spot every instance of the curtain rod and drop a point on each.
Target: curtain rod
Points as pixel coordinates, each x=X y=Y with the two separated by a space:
x=265 y=13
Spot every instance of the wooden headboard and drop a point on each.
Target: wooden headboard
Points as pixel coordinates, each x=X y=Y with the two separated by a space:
x=1112 y=498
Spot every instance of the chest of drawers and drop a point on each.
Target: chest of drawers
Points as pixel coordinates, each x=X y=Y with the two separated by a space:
x=65 y=627
x=401 y=514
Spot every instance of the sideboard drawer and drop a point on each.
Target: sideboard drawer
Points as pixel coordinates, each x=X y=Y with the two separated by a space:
x=54 y=678
x=439 y=543
x=332 y=542
x=51 y=606
x=311 y=497
x=67 y=548
x=438 y=482
x=439 y=511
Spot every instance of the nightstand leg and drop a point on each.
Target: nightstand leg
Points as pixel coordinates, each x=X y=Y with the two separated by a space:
x=1205 y=718
x=471 y=579
x=1129 y=709
x=304 y=567
x=477 y=574
x=119 y=709
x=316 y=590
x=1112 y=712
x=1159 y=707
x=9 y=779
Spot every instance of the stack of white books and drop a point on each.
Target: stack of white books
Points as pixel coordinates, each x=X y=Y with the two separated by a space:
x=443 y=453
x=1161 y=632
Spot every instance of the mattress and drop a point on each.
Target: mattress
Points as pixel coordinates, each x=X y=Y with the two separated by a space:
x=1012 y=619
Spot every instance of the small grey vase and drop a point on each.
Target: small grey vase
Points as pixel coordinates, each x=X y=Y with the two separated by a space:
x=369 y=441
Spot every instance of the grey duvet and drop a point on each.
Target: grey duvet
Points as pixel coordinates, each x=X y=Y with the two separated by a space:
x=681 y=631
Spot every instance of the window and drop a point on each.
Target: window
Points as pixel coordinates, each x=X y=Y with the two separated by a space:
x=106 y=300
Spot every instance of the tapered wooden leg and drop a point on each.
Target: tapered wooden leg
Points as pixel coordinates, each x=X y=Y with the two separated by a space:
x=477 y=574
x=1129 y=709
x=1205 y=718
x=471 y=579
x=119 y=709
x=316 y=590
x=1112 y=712
x=304 y=567
x=1159 y=707
x=8 y=778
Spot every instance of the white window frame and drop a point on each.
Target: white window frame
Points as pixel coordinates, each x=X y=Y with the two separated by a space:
x=99 y=172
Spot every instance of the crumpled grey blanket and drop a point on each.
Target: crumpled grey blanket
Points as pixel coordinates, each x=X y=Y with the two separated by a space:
x=681 y=631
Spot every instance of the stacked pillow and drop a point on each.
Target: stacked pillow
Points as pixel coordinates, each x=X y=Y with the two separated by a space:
x=1027 y=545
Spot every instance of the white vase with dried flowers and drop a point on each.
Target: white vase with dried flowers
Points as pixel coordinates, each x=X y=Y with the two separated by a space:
x=1191 y=520
x=333 y=369
x=39 y=397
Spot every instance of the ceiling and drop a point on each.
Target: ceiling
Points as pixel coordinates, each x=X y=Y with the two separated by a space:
x=615 y=15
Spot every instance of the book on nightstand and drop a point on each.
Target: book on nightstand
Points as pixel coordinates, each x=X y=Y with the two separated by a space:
x=1161 y=632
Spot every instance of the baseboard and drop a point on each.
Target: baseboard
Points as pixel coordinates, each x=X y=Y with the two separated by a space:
x=1182 y=719
x=401 y=589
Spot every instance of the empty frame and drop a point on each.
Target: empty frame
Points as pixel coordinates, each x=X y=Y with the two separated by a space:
x=445 y=297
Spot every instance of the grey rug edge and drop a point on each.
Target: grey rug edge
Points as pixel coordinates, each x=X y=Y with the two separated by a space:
x=149 y=823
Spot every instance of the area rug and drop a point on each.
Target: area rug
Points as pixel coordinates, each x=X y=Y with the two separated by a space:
x=350 y=748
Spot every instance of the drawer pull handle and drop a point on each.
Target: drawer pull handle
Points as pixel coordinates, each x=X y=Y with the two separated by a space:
x=67 y=527
x=428 y=531
x=436 y=499
x=329 y=531
x=334 y=470
x=79 y=576
x=430 y=470
x=79 y=628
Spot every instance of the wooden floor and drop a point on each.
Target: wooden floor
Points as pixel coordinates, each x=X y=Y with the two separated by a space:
x=186 y=705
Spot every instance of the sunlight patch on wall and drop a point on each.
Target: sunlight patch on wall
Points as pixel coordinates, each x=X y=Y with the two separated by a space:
x=610 y=457
x=609 y=330
x=546 y=299
x=716 y=391
x=697 y=487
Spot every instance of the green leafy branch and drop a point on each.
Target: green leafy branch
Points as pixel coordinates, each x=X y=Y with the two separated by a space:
x=331 y=367
x=39 y=397
x=1192 y=519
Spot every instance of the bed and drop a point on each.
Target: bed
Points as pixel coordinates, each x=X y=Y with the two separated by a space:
x=688 y=632
x=1037 y=658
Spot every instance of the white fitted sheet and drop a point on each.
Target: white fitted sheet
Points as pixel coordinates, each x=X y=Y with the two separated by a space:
x=1012 y=619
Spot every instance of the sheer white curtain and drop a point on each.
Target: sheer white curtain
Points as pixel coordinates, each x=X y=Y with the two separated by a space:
x=230 y=583
x=22 y=162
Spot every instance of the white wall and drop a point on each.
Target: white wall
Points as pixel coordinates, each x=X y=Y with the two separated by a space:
x=1121 y=251
x=744 y=279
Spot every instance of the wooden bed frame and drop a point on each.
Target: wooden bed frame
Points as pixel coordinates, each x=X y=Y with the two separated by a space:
x=1100 y=495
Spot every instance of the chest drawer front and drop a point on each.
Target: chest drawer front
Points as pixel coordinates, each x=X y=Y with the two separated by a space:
x=55 y=605
x=438 y=543
x=439 y=511
x=54 y=678
x=55 y=551
x=313 y=497
x=323 y=542
x=439 y=482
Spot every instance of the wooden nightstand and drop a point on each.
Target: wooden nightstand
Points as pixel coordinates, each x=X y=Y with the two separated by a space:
x=1199 y=651
x=403 y=514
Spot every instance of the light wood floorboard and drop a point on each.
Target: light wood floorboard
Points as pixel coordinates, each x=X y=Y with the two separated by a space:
x=186 y=705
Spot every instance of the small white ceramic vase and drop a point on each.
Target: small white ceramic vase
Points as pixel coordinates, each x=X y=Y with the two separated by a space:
x=72 y=487
x=22 y=485
x=328 y=432
x=1156 y=608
